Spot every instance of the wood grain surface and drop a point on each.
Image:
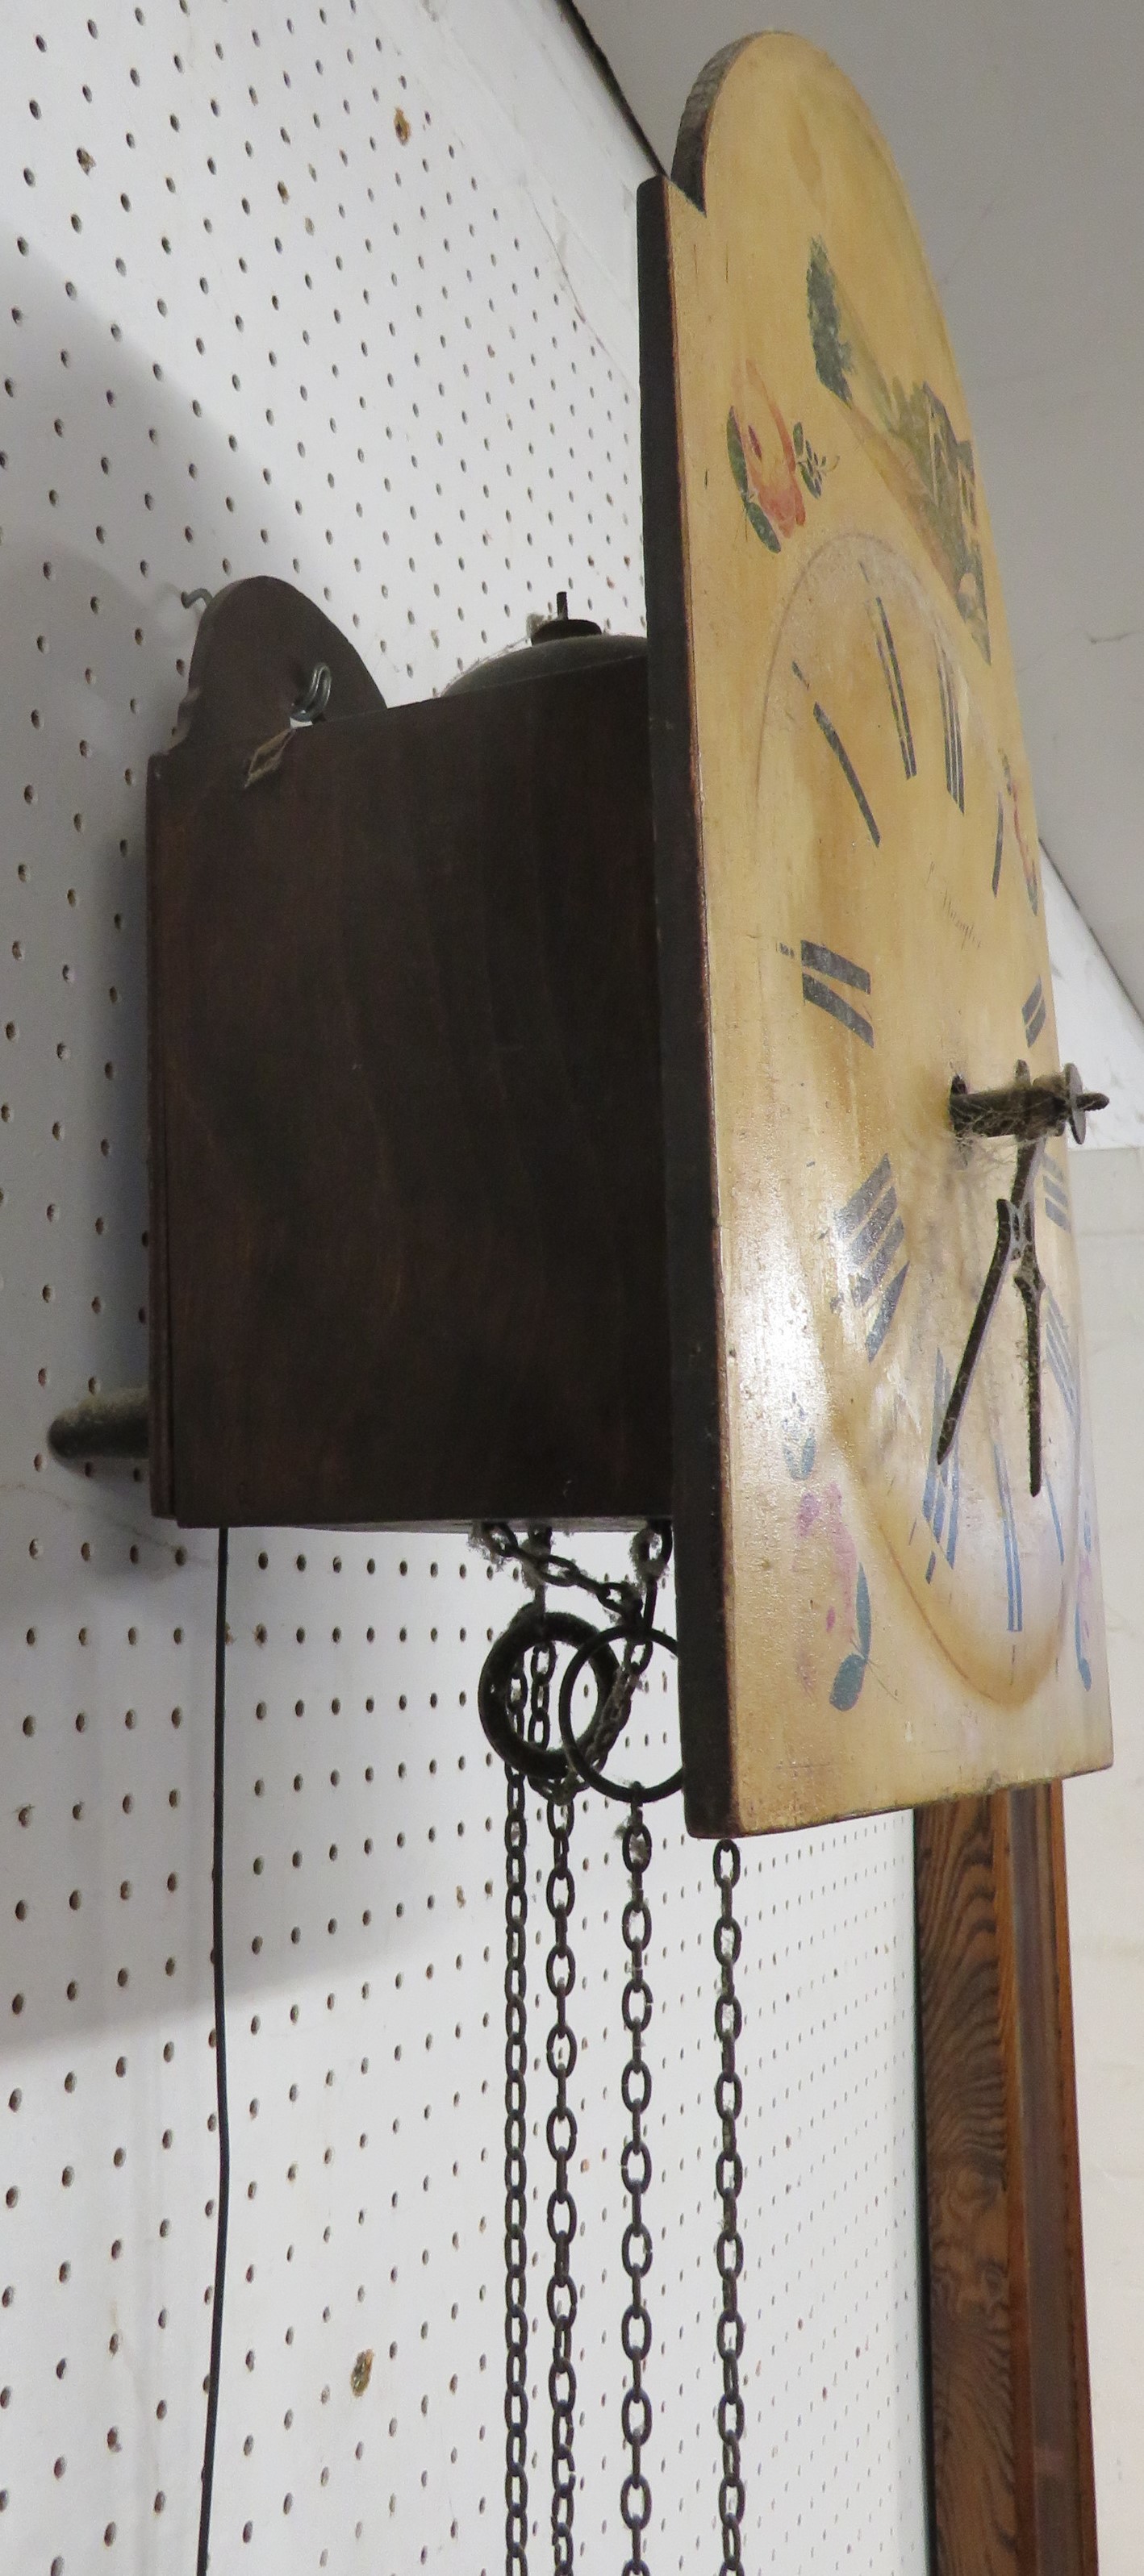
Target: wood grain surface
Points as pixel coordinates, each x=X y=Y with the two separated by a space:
x=407 y=1172
x=1010 y=2427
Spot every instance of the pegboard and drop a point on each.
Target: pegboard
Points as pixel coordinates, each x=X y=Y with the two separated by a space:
x=281 y=298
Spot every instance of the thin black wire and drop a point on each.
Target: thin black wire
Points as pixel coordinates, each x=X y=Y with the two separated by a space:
x=203 y=2552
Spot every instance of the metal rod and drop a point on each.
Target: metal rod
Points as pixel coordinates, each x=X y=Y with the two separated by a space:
x=103 y=1426
x=1044 y=1107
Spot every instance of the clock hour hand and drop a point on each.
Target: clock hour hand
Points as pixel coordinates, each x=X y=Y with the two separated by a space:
x=1002 y=1255
x=1029 y=1110
x=1029 y=1281
x=1014 y=1223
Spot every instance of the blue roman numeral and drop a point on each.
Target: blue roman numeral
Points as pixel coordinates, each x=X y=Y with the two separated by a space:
x=1012 y=1551
x=872 y=1234
x=1056 y=1193
x=1034 y=1012
x=951 y=729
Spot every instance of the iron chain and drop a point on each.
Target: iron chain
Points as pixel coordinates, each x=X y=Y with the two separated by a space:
x=561 y=2135
x=729 y=2183
x=518 y=1678
x=516 y=2178
x=530 y=1706
x=542 y=1665
x=636 y=2413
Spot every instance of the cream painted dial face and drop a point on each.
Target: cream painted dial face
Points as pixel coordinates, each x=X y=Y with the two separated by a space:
x=899 y=903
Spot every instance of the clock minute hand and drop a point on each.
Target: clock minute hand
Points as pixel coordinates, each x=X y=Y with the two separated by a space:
x=1028 y=1279
x=1010 y=1216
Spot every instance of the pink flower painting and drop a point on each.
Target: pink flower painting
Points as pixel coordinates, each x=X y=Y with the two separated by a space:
x=835 y=1623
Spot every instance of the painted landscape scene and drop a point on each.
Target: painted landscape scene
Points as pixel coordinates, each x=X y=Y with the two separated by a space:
x=908 y=436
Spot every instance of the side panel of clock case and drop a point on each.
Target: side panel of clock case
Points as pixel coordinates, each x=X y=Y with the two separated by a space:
x=185 y=397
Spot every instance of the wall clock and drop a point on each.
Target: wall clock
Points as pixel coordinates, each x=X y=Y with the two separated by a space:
x=413 y=976
x=887 y=1566
x=432 y=1241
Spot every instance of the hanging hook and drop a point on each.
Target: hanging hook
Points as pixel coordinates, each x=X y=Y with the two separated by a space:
x=308 y=710
x=315 y=699
x=191 y=598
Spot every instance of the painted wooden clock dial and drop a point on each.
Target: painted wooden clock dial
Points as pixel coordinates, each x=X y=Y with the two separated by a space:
x=873 y=1611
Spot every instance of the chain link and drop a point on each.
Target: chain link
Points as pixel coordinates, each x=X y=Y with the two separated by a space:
x=636 y=2412
x=729 y=2183
x=541 y=1565
x=529 y=1706
x=542 y=1665
x=561 y=2135
x=516 y=2178
x=518 y=1721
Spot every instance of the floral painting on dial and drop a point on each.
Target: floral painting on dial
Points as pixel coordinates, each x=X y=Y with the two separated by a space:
x=834 y=1647
x=773 y=466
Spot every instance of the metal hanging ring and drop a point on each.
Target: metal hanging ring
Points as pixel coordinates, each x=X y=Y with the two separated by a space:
x=535 y=1626
x=631 y=1793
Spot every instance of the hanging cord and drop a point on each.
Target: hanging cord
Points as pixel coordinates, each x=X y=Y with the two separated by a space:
x=636 y=2412
x=561 y=2135
x=203 y=2552
x=516 y=2177
x=729 y=2183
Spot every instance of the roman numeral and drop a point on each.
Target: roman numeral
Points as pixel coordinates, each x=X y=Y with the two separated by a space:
x=1034 y=1012
x=1012 y=1551
x=892 y=676
x=943 y=1484
x=843 y=759
x=951 y=728
x=1056 y=1193
x=818 y=962
x=848 y=770
x=871 y=1233
x=1000 y=843
x=1059 y=1354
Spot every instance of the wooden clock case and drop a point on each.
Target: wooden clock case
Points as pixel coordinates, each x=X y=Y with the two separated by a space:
x=407 y=1251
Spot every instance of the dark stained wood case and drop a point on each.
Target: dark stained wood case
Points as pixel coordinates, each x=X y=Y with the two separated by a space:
x=408 y=1258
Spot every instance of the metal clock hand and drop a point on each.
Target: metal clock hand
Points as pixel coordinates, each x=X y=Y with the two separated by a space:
x=1029 y=1282
x=1030 y=1111
x=1015 y=1242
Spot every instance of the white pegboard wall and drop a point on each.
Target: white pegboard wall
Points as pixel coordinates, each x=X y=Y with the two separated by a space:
x=278 y=298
